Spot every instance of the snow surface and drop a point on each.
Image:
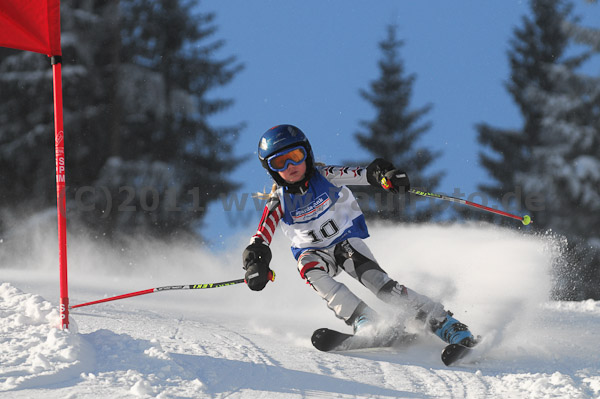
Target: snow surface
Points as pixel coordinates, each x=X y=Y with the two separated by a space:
x=235 y=343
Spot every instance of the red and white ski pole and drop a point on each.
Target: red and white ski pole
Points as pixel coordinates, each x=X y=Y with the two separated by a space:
x=170 y=288
x=523 y=219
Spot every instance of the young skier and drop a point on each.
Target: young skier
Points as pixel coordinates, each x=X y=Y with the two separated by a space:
x=321 y=217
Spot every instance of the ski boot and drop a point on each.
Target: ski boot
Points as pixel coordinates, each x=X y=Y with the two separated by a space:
x=453 y=331
x=364 y=320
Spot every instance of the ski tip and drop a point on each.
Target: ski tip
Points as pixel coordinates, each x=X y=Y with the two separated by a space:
x=318 y=340
x=453 y=353
x=318 y=332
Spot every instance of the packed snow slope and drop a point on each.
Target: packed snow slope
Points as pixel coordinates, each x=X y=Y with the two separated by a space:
x=235 y=343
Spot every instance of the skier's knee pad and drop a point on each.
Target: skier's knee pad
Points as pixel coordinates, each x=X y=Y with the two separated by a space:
x=392 y=290
x=312 y=260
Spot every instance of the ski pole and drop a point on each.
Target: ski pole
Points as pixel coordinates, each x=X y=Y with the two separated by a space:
x=524 y=219
x=171 y=288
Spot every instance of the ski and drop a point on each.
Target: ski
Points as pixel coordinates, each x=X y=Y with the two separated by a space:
x=326 y=340
x=453 y=353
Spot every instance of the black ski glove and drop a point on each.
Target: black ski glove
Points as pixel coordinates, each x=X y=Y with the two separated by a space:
x=381 y=173
x=256 y=259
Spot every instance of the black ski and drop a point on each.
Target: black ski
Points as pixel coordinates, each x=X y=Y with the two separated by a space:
x=325 y=339
x=453 y=353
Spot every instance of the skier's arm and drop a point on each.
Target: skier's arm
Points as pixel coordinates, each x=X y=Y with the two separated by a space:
x=345 y=175
x=257 y=255
x=379 y=173
x=269 y=221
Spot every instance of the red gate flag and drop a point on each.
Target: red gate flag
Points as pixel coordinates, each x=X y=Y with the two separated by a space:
x=32 y=25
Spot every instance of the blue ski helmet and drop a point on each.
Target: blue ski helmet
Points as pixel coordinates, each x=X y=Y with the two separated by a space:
x=279 y=138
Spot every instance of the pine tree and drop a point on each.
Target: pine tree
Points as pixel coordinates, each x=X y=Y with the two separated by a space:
x=167 y=69
x=567 y=165
x=540 y=42
x=26 y=112
x=393 y=135
x=138 y=143
x=556 y=155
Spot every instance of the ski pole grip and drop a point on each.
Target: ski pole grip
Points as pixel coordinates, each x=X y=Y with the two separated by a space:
x=385 y=183
x=271 y=276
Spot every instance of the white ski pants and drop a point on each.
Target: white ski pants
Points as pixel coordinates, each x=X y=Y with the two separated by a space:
x=319 y=267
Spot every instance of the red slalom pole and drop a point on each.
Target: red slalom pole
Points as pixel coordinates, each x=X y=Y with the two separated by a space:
x=523 y=219
x=59 y=143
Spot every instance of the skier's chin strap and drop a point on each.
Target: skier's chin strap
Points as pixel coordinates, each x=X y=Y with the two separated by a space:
x=300 y=187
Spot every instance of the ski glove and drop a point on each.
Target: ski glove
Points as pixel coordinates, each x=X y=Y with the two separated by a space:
x=381 y=173
x=256 y=258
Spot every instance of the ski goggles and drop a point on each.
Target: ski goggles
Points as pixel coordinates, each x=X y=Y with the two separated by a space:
x=280 y=161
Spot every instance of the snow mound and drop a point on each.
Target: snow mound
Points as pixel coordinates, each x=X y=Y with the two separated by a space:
x=33 y=350
x=139 y=366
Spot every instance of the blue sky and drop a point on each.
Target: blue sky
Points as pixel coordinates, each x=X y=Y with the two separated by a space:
x=305 y=62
